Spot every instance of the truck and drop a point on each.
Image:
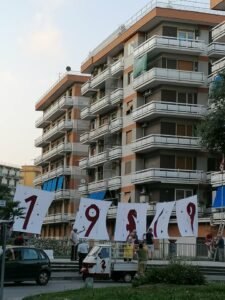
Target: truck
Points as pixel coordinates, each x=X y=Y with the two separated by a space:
x=104 y=262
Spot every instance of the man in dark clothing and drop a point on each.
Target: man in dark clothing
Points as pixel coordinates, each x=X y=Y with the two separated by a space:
x=149 y=240
x=19 y=240
x=220 y=248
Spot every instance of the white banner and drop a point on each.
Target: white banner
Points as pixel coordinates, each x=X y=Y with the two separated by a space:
x=187 y=216
x=130 y=216
x=91 y=219
x=36 y=203
x=160 y=222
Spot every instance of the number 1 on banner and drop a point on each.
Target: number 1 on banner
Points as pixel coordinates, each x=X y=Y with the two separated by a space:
x=32 y=200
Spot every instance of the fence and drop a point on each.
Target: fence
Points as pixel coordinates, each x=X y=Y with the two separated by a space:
x=163 y=249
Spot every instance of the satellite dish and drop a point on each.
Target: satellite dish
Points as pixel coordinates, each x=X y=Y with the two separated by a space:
x=68 y=68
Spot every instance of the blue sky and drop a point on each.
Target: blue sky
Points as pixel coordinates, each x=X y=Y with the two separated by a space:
x=39 y=38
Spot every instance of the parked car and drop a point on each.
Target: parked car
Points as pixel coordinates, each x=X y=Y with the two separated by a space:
x=23 y=263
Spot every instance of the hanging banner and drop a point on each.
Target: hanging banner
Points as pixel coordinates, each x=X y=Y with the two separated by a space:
x=91 y=219
x=160 y=222
x=130 y=216
x=187 y=216
x=35 y=203
x=219 y=199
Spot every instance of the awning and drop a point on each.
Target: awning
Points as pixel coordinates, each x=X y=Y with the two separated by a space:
x=97 y=195
x=219 y=200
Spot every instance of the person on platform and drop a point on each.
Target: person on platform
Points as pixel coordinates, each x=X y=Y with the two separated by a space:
x=149 y=240
x=142 y=254
x=74 y=240
x=82 y=250
x=209 y=244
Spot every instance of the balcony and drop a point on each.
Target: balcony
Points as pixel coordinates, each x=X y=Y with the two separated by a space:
x=87 y=89
x=218 y=66
x=55 y=152
x=66 y=194
x=218 y=33
x=98 y=132
x=99 y=80
x=158 y=141
x=54 y=111
x=101 y=106
x=117 y=68
x=84 y=138
x=177 y=176
x=98 y=185
x=58 y=218
x=116 y=96
x=83 y=163
x=98 y=159
x=216 y=50
x=116 y=125
x=217 y=179
x=83 y=189
x=85 y=114
x=156 y=109
x=115 y=153
x=114 y=183
x=157 y=76
x=157 y=44
x=54 y=132
x=53 y=173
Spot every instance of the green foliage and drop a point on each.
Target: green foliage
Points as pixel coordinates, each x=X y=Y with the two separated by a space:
x=212 y=128
x=150 y=292
x=12 y=209
x=174 y=273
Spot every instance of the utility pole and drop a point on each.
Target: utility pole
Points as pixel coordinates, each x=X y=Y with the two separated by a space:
x=4 y=229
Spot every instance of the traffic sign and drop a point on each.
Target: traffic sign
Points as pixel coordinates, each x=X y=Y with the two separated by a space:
x=2 y=203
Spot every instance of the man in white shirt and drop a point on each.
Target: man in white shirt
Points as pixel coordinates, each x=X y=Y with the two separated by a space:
x=74 y=240
x=82 y=250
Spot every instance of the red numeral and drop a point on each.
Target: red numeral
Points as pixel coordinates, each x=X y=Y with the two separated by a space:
x=32 y=200
x=92 y=219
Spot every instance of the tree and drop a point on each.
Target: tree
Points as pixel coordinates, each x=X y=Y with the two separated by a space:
x=12 y=209
x=212 y=128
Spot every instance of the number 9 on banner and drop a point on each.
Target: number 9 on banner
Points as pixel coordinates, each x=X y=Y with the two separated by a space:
x=92 y=216
x=35 y=203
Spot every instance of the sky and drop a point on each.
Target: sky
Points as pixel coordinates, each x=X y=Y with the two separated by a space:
x=39 y=38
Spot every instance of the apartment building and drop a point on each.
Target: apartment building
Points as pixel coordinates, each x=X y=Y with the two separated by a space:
x=10 y=176
x=148 y=91
x=61 y=150
x=28 y=174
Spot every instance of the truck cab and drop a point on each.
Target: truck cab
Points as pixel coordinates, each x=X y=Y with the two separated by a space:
x=102 y=263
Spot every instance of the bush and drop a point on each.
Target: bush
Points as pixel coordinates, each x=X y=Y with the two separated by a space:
x=172 y=274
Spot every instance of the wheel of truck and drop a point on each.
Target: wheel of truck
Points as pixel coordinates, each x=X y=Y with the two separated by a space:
x=127 y=277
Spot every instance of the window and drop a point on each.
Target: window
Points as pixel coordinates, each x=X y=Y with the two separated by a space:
x=169 y=31
x=129 y=137
x=185 y=163
x=167 y=161
x=185 y=35
x=169 y=63
x=168 y=128
x=181 y=194
x=127 y=167
x=168 y=95
x=129 y=107
x=30 y=254
x=104 y=253
x=129 y=78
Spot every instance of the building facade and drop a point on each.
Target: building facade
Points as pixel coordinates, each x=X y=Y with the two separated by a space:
x=10 y=175
x=28 y=174
x=148 y=91
x=61 y=151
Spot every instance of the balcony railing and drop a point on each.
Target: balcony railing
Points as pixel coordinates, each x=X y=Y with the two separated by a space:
x=58 y=218
x=98 y=159
x=217 y=179
x=86 y=114
x=95 y=133
x=115 y=153
x=116 y=96
x=117 y=67
x=100 y=105
x=158 y=108
x=157 y=76
x=83 y=163
x=101 y=77
x=156 y=43
x=216 y=49
x=116 y=125
x=218 y=32
x=84 y=137
x=156 y=141
x=218 y=66
x=56 y=109
x=53 y=173
x=169 y=176
x=98 y=185
x=114 y=183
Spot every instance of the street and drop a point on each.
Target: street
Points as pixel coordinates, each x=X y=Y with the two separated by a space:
x=18 y=292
